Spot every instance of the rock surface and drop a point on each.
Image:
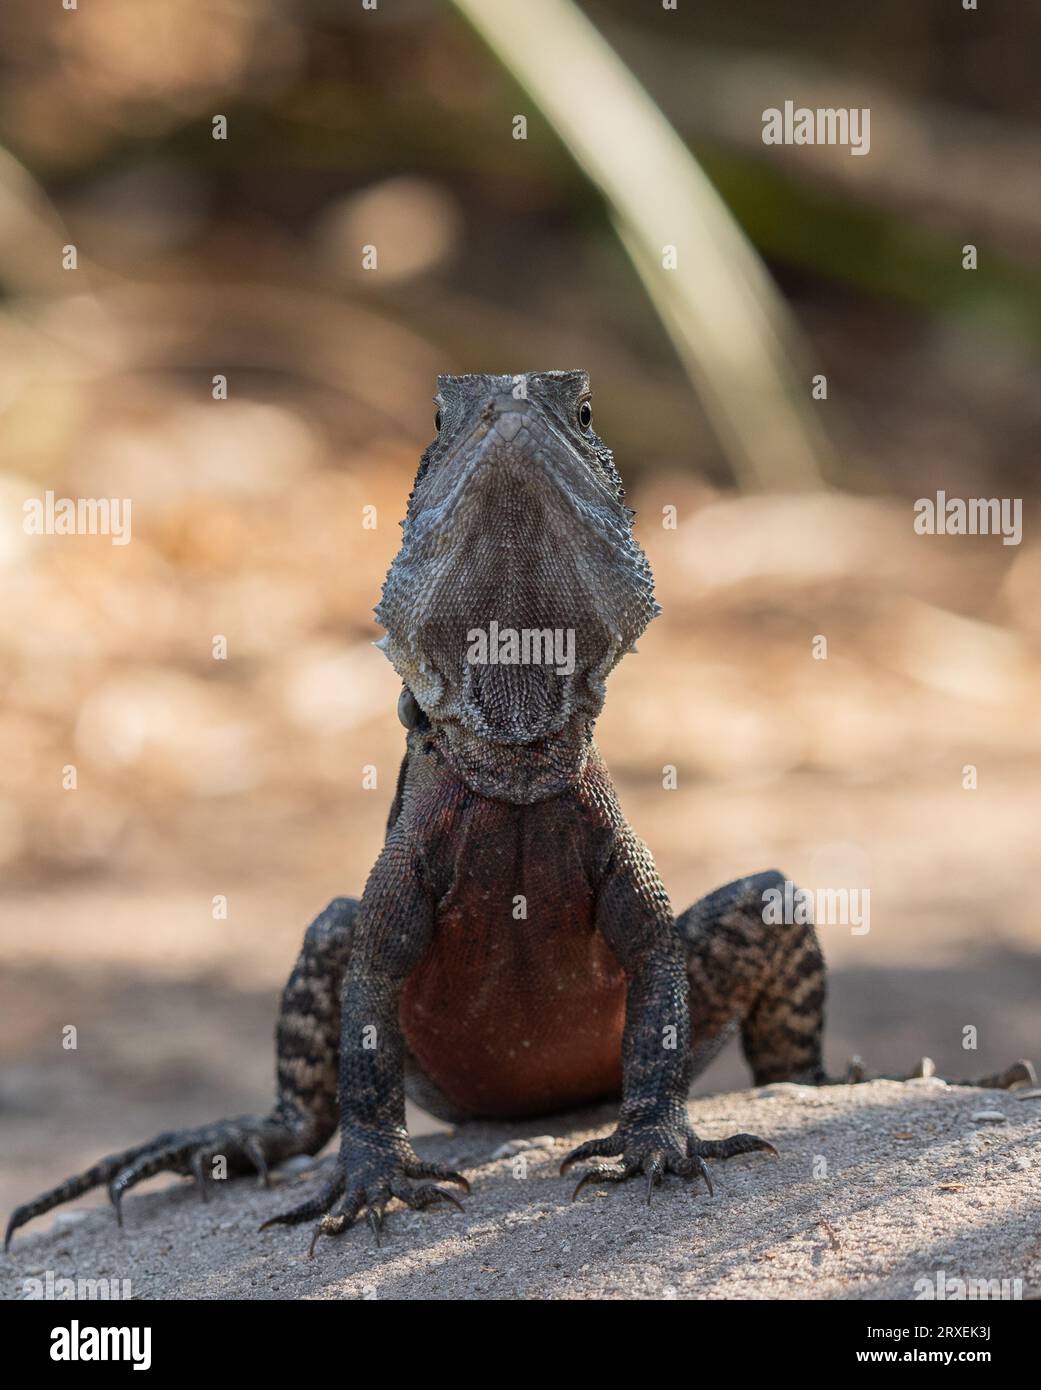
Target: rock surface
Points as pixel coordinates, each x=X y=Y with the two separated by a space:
x=877 y=1187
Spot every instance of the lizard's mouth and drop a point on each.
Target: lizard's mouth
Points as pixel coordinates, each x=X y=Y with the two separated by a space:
x=518 y=585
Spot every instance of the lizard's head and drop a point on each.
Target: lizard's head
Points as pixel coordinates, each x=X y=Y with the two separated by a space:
x=518 y=585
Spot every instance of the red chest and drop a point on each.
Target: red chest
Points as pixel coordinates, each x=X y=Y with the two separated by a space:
x=518 y=1005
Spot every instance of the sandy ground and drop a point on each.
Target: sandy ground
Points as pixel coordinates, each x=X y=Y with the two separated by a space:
x=877 y=1187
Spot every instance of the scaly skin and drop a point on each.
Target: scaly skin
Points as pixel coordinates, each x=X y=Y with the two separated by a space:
x=514 y=951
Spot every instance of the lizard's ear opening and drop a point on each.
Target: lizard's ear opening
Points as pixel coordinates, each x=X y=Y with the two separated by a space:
x=408 y=709
x=585 y=414
x=437 y=420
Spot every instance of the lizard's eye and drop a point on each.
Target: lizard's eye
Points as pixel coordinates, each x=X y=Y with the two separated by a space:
x=585 y=415
x=437 y=421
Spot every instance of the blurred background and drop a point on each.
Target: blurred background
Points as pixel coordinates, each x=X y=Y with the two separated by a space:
x=243 y=778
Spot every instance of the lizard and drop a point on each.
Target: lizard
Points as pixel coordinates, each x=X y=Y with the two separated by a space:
x=514 y=951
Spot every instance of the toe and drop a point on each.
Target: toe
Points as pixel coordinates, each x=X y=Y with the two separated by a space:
x=306 y=1211
x=729 y=1148
x=601 y=1173
x=608 y=1147
x=438 y=1172
x=170 y=1157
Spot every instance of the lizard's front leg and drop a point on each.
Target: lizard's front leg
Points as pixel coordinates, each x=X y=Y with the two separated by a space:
x=376 y=1160
x=654 y=1135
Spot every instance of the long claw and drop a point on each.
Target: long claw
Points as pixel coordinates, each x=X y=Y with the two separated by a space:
x=333 y=1222
x=374 y=1216
x=654 y=1168
x=702 y=1168
x=254 y=1151
x=429 y=1192
x=115 y=1196
x=586 y=1177
x=321 y=1230
x=599 y=1175
x=198 y=1167
x=438 y=1172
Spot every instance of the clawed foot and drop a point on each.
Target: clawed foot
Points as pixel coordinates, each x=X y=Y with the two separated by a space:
x=366 y=1179
x=246 y=1143
x=1021 y=1073
x=657 y=1149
